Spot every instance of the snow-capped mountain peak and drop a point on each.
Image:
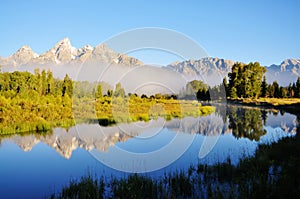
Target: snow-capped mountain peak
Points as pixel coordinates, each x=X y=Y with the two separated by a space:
x=64 y=53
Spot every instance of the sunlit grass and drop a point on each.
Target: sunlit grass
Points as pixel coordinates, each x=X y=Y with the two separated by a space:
x=136 y=109
x=22 y=115
x=272 y=101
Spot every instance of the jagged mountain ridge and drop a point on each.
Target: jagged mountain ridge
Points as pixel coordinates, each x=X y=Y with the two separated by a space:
x=201 y=66
x=22 y=56
x=284 y=73
x=64 y=53
x=291 y=65
x=213 y=70
x=210 y=70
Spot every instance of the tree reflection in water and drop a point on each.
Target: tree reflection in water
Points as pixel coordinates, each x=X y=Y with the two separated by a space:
x=247 y=123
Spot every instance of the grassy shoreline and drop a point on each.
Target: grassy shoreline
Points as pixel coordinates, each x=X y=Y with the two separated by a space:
x=291 y=105
x=21 y=115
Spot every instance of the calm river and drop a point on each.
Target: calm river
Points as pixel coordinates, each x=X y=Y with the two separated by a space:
x=36 y=165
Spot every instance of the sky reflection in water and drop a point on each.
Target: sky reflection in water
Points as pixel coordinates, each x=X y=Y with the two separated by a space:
x=34 y=166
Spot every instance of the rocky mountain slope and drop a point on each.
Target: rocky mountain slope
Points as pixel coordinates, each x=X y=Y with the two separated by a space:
x=284 y=73
x=64 y=53
x=210 y=70
x=213 y=70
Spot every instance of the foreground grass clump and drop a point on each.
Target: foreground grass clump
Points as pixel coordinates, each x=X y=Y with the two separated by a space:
x=134 y=186
x=273 y=172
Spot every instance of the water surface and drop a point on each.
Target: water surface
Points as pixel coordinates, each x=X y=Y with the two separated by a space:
x=35 y=165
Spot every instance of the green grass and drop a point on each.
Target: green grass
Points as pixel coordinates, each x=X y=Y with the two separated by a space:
x=270 y=101
x=120 y=110
x=19 y=115
x=251 y=178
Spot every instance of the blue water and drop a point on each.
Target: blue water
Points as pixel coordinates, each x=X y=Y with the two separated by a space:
x=35 y=166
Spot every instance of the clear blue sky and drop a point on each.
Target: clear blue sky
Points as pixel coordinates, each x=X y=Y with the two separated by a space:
x=265 y=31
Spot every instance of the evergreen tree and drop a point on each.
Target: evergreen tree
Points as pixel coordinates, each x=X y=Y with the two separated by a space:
x=233 y=80
x=297 y=88
x=226 y=87
x=276 y=89
x=282 y=92
x=290 y=91
x=264 y=87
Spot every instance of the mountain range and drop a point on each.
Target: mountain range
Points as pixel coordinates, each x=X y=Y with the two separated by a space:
x=210 y=70
x=64 y=53
x=209 y=67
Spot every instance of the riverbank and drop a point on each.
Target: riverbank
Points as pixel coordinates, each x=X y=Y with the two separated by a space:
x=20 y=115
x=273 y=172
x=291 y=105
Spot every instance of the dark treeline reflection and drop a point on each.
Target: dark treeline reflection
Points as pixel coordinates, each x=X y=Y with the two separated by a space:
x=248 y=123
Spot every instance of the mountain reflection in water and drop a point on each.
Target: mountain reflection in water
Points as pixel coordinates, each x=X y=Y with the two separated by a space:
x=45 y=162
x=239 y=121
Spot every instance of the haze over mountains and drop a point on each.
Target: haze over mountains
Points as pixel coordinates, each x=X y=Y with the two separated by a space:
x=101 y=63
